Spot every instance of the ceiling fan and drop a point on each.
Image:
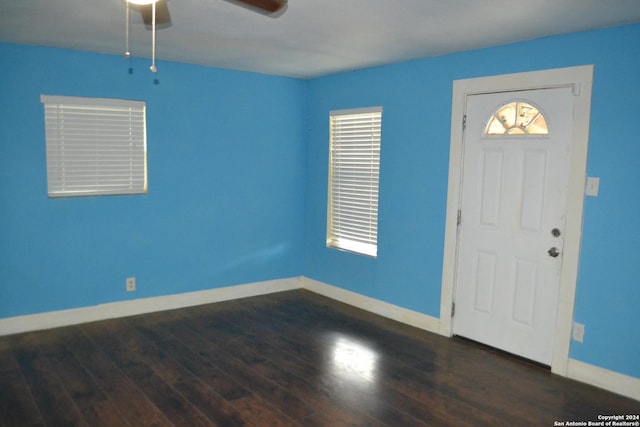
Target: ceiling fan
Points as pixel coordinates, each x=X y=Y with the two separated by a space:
x=155 y=14
x=273 y=8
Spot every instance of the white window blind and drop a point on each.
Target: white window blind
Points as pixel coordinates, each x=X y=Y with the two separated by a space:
x=95 y=146
x=354 y=167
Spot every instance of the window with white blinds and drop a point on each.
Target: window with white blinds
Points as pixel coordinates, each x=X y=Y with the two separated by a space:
x=354 y=166
x=95 y=146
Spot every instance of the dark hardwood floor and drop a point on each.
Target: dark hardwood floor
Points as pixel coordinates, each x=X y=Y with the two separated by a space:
x=287 y=359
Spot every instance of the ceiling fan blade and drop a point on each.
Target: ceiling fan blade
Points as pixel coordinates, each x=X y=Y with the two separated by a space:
x=269 y=7
x=163 y=18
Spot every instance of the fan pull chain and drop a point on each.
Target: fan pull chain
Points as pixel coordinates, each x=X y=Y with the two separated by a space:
x=127 y=52
x=153 y=38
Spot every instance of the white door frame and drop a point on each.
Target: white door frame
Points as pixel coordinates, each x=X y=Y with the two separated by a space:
x=580 y=80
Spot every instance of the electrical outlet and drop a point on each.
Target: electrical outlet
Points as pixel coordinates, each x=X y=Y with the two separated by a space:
x=578 y=332
x=131 y=284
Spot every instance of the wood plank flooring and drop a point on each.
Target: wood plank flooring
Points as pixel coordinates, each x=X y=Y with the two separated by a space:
x=286 y=359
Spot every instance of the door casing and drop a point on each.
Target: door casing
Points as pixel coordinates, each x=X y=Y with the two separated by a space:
x=579 y=79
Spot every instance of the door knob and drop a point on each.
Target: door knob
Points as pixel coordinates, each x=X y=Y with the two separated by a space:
x=553 y=252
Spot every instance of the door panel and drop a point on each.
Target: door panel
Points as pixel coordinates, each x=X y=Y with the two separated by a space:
x=491 y=187
x=514 y=192
x=485 y=279
x=533 y=191
x=525 y=286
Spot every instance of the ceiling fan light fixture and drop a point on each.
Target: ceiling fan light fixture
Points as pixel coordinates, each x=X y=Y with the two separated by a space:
x=142 y=2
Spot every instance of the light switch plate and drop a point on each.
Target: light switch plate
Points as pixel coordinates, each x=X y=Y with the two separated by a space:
x=578 y=332
x=593 y=186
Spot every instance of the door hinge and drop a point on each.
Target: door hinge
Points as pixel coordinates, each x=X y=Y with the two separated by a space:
x=464 y=122
x=459 y=220
x=453 y=308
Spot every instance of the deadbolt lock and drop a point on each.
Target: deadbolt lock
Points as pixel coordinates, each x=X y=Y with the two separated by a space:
x=555 y=232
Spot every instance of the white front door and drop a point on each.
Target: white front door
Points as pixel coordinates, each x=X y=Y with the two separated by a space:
x=512 y=219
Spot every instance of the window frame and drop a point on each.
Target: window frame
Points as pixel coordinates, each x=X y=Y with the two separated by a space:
x=95 y=146
x=352 y=213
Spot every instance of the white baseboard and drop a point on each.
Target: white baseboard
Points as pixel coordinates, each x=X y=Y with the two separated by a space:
x=609 y=380
x=74 y=316
x=373 y=305
x=615 y=382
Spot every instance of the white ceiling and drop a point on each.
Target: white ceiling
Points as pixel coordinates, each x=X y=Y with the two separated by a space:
x=313 y=37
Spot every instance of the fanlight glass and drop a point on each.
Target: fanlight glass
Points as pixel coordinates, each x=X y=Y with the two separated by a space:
x=517 y=118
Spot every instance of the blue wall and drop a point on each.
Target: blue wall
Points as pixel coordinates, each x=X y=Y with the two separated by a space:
x=416 y=97
x=226 y=183
x=238 y=183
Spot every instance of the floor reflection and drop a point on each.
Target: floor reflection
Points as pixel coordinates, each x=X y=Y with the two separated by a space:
x=353 y=360
x=352 y=370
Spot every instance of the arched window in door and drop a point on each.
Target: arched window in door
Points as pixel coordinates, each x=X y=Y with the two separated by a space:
x=517 y=118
